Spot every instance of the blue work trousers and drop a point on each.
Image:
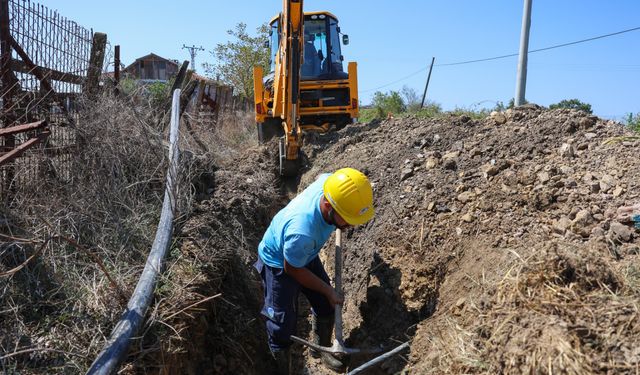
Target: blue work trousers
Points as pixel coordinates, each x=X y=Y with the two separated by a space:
x=281 y=300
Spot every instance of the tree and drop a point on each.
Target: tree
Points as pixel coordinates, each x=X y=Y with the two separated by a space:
x=411 y=98
x=633 y=121
x=237 y=57
x=572 y=104
x=388 y=103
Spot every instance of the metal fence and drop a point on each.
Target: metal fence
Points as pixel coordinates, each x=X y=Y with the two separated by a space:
x=46 y=62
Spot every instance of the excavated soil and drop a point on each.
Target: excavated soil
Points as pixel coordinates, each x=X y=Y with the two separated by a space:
x=496 y=248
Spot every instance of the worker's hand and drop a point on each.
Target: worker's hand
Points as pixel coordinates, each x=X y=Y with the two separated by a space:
x=334 y=298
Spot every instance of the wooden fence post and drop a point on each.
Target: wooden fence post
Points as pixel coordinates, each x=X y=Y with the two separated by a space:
x=96 y=61
x=116 y=70
x=180 y=78
x=10 y=87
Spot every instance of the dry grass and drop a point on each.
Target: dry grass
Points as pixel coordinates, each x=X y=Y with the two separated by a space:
x=194 y=320
x=566 y=310
x=71 y=250
x=223 y=136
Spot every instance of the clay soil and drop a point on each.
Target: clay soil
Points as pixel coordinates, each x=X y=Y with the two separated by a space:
x=496 y=248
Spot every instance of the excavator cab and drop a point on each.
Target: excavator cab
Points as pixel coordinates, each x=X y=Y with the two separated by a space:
x=307 y=88
x=322 y=52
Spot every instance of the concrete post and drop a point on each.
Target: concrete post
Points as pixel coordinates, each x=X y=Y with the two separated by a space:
x=521 y=80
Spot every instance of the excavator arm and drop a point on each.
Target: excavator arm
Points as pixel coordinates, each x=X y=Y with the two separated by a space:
x=287 y=81
x=306 y=88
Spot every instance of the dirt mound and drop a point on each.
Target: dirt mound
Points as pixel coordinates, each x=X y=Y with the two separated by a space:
x=461 y=203
x=495 y=248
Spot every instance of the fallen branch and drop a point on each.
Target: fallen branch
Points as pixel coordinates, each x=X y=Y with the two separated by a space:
x=24 y=264
x=95 y=258
x=17 y=239
x=31 y=350
x=193 y=305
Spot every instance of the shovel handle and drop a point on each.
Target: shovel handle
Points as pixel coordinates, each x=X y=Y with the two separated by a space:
x=338 y=282
x=338 y=344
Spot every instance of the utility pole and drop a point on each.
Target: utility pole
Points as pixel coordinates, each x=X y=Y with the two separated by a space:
x=521 y=80
x=424 y=95
x=193 y=50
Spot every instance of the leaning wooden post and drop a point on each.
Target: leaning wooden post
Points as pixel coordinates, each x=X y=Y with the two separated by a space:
x=10 y=86
x=177 y=84
x=96 y=61
x=116 y=70
x=182 y=74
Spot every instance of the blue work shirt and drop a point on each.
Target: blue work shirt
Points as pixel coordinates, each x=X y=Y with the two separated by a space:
x=298 y=231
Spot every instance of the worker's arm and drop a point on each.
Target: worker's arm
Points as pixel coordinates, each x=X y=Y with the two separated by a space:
x=307 y=279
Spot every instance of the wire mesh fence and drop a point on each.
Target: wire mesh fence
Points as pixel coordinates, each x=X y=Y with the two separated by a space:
x=44 y=63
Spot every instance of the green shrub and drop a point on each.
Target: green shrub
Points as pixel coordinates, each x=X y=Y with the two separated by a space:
x=572 y=104
x=158 y=94
x=430 y=109
x=499 y=107
x=633 y=121
x=367 y=115
x=411 y=99
x=386 y=103
x=474 y=114
x=128 y=86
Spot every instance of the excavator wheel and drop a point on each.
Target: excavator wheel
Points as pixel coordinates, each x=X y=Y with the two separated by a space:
x=270 y=128
x=288 y=168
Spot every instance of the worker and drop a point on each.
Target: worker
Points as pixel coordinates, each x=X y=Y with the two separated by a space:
x=311 y=63
x=288 y=260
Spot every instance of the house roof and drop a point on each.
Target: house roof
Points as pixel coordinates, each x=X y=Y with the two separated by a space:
x=198 y=77
x=152 y=56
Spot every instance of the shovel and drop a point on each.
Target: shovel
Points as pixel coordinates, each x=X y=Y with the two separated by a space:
x=338 y=346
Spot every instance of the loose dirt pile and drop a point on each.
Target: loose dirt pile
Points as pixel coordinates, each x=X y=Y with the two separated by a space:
x=496 y=248
x=504 y=233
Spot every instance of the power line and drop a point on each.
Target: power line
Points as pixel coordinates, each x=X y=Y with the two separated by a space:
x=396 y=81
x=586 y=40
x=506 y=56
x=543 y=49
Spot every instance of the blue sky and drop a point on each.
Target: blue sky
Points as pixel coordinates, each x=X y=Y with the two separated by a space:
x=392 y=40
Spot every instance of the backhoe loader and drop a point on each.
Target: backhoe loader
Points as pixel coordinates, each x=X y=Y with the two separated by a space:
x=307 y=88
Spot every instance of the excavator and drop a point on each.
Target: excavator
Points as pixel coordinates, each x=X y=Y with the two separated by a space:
x=307 y=88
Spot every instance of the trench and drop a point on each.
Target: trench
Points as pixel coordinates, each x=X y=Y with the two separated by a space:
x=227 y=335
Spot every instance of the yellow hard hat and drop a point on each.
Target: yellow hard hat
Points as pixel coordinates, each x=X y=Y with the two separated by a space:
x=349 y=193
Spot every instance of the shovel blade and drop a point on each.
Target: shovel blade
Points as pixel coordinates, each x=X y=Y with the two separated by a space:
x=320 y=348
x=337 y=348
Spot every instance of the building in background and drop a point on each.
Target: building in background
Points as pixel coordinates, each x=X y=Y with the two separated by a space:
x=152 y=68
